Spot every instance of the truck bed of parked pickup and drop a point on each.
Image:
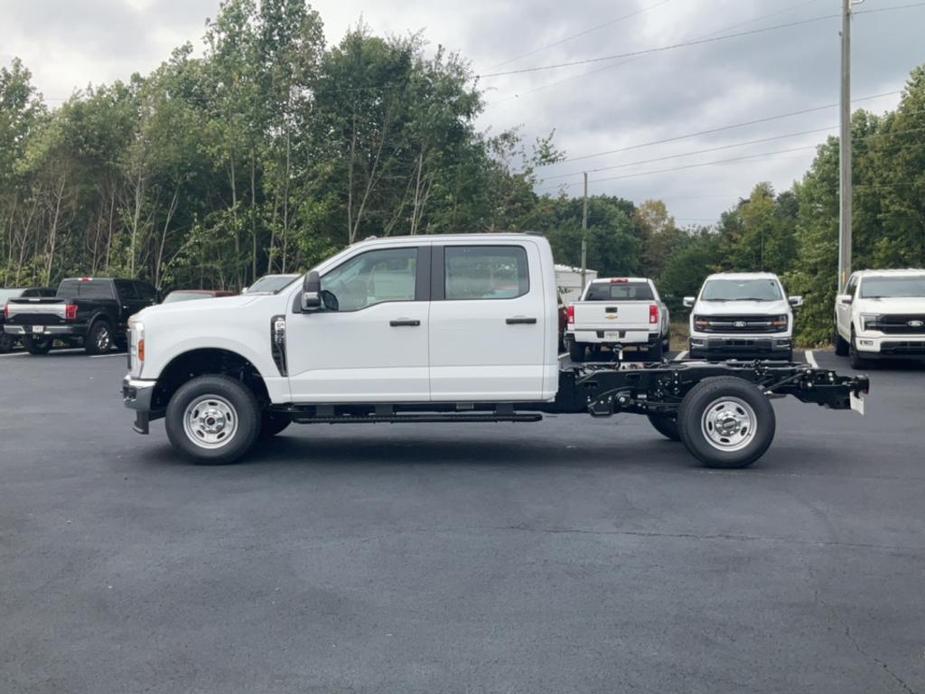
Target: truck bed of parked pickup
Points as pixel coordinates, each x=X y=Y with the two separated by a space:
x=455 y=328
x=92 y=312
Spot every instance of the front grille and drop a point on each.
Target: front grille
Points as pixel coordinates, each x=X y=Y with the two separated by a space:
x=900 y=324
x=739 y=324
x=903 y=347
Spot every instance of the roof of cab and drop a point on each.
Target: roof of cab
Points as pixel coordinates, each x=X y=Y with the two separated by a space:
x=743 y=276
x=478 y=237
x=891 y=272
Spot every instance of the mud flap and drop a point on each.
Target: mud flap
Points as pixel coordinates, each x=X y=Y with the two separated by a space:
x=857 y=402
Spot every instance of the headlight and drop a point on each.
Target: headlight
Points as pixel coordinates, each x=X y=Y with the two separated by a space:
x=136 y=339
x=870 y=321
x=779 y=322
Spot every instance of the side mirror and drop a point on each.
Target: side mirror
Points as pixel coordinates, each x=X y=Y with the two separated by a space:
x=796 y=301
x=845 y=299
x=689 y=301
x=311 y=292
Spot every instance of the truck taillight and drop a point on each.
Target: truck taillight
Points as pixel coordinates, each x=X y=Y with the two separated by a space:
x=6 y=311
x=70 y=312
x=653 y=314
x=571 y=315
x=140 y=350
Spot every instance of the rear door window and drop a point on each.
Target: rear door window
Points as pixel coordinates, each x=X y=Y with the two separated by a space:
x=485 y=272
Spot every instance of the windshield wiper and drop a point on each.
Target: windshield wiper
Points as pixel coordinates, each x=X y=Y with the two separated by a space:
x=753 y=298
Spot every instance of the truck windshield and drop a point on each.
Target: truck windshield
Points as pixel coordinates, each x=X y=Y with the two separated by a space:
x=893 y=287
x=85 y=289
x=741 y=290
x=619 y=291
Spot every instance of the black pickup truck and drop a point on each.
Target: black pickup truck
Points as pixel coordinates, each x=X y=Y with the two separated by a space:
x=90 y=311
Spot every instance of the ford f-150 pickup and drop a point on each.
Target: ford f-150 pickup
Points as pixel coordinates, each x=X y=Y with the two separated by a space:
x=455 y=328
x=90 y=311
x=881 y=315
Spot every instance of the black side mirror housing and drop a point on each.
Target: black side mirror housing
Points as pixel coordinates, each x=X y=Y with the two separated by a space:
x=311 y=292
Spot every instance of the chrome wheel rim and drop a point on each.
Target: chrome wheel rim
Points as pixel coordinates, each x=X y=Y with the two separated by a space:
x=210 y=421
x=103 y=339
x=729 y=424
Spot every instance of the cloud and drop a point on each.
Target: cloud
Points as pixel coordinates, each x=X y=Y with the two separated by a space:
x=595 y=107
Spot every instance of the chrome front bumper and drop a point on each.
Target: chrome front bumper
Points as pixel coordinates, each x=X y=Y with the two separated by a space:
x=137 y=395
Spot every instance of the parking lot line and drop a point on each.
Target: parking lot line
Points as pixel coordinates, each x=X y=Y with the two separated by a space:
x=680 y=356
x=112 y=354
x=811 y=359
x=14 y=354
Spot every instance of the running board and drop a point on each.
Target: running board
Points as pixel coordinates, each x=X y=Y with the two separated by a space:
x=430 y=418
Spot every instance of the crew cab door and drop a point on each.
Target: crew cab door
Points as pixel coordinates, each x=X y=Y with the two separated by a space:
x=373 y=346
x=487 y=323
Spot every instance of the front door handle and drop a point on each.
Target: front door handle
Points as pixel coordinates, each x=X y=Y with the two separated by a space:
x=520 y=320
x=404 y=323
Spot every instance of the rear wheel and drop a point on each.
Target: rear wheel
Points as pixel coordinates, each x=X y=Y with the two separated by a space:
x=656 y=352
x=726 y=422
x=213 y=419
x=6 y=343
x=37 y=345
x=576 y=351
x=99 y=338
x=666 y=425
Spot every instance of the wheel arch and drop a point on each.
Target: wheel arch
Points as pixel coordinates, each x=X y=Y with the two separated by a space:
x=207 y=360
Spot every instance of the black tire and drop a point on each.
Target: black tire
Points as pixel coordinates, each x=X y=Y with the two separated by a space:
x=655 y=352
x=229 y=402
x=666 y=425
x=854 y=359
x=840 y=343
x=37 y=345
x=99 y=338
x=6 y=343
x=576 y=351
x=272 y=423
x=700 y=413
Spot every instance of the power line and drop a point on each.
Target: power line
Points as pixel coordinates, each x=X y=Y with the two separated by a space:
x=585 y=32
x=661 y=49
x=891 y=8
x=721 y=128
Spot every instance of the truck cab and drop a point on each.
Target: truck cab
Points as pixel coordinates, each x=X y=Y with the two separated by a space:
x=881 y=315
x=742 y=315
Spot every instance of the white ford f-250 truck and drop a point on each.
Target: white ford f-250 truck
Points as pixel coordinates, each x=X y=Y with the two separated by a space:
x=618 y=312
x=744 y=315
x=881 y=315
x=428 y=329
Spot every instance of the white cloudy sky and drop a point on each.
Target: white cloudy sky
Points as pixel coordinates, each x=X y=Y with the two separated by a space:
x=593 y=108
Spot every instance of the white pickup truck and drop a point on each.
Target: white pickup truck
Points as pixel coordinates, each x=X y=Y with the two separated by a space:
x=881 y=315
x=618 y=312
x=743 y=315
x=428 y=329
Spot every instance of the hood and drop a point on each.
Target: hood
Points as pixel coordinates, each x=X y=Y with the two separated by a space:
x=201 y=305
x=730 y=308
x=902 y=305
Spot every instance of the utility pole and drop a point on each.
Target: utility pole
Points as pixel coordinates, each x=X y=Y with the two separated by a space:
x=844 y=156
x=584 y=235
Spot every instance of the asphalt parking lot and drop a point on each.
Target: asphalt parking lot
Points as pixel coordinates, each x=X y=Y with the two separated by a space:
x=573 y=555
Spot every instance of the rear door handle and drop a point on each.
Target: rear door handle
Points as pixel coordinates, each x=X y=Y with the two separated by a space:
x=404 y=323
x=520 y=320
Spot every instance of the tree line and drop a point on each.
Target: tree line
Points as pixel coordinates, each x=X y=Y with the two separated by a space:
x=268 y=151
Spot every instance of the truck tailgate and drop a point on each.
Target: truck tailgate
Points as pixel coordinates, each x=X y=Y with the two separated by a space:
x=612 y=315
x=47 y=311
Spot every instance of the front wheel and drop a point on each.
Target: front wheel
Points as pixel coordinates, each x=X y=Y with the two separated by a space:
x=36 y=345
x=726 y=422
x=213 y=419
x=856 y=361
